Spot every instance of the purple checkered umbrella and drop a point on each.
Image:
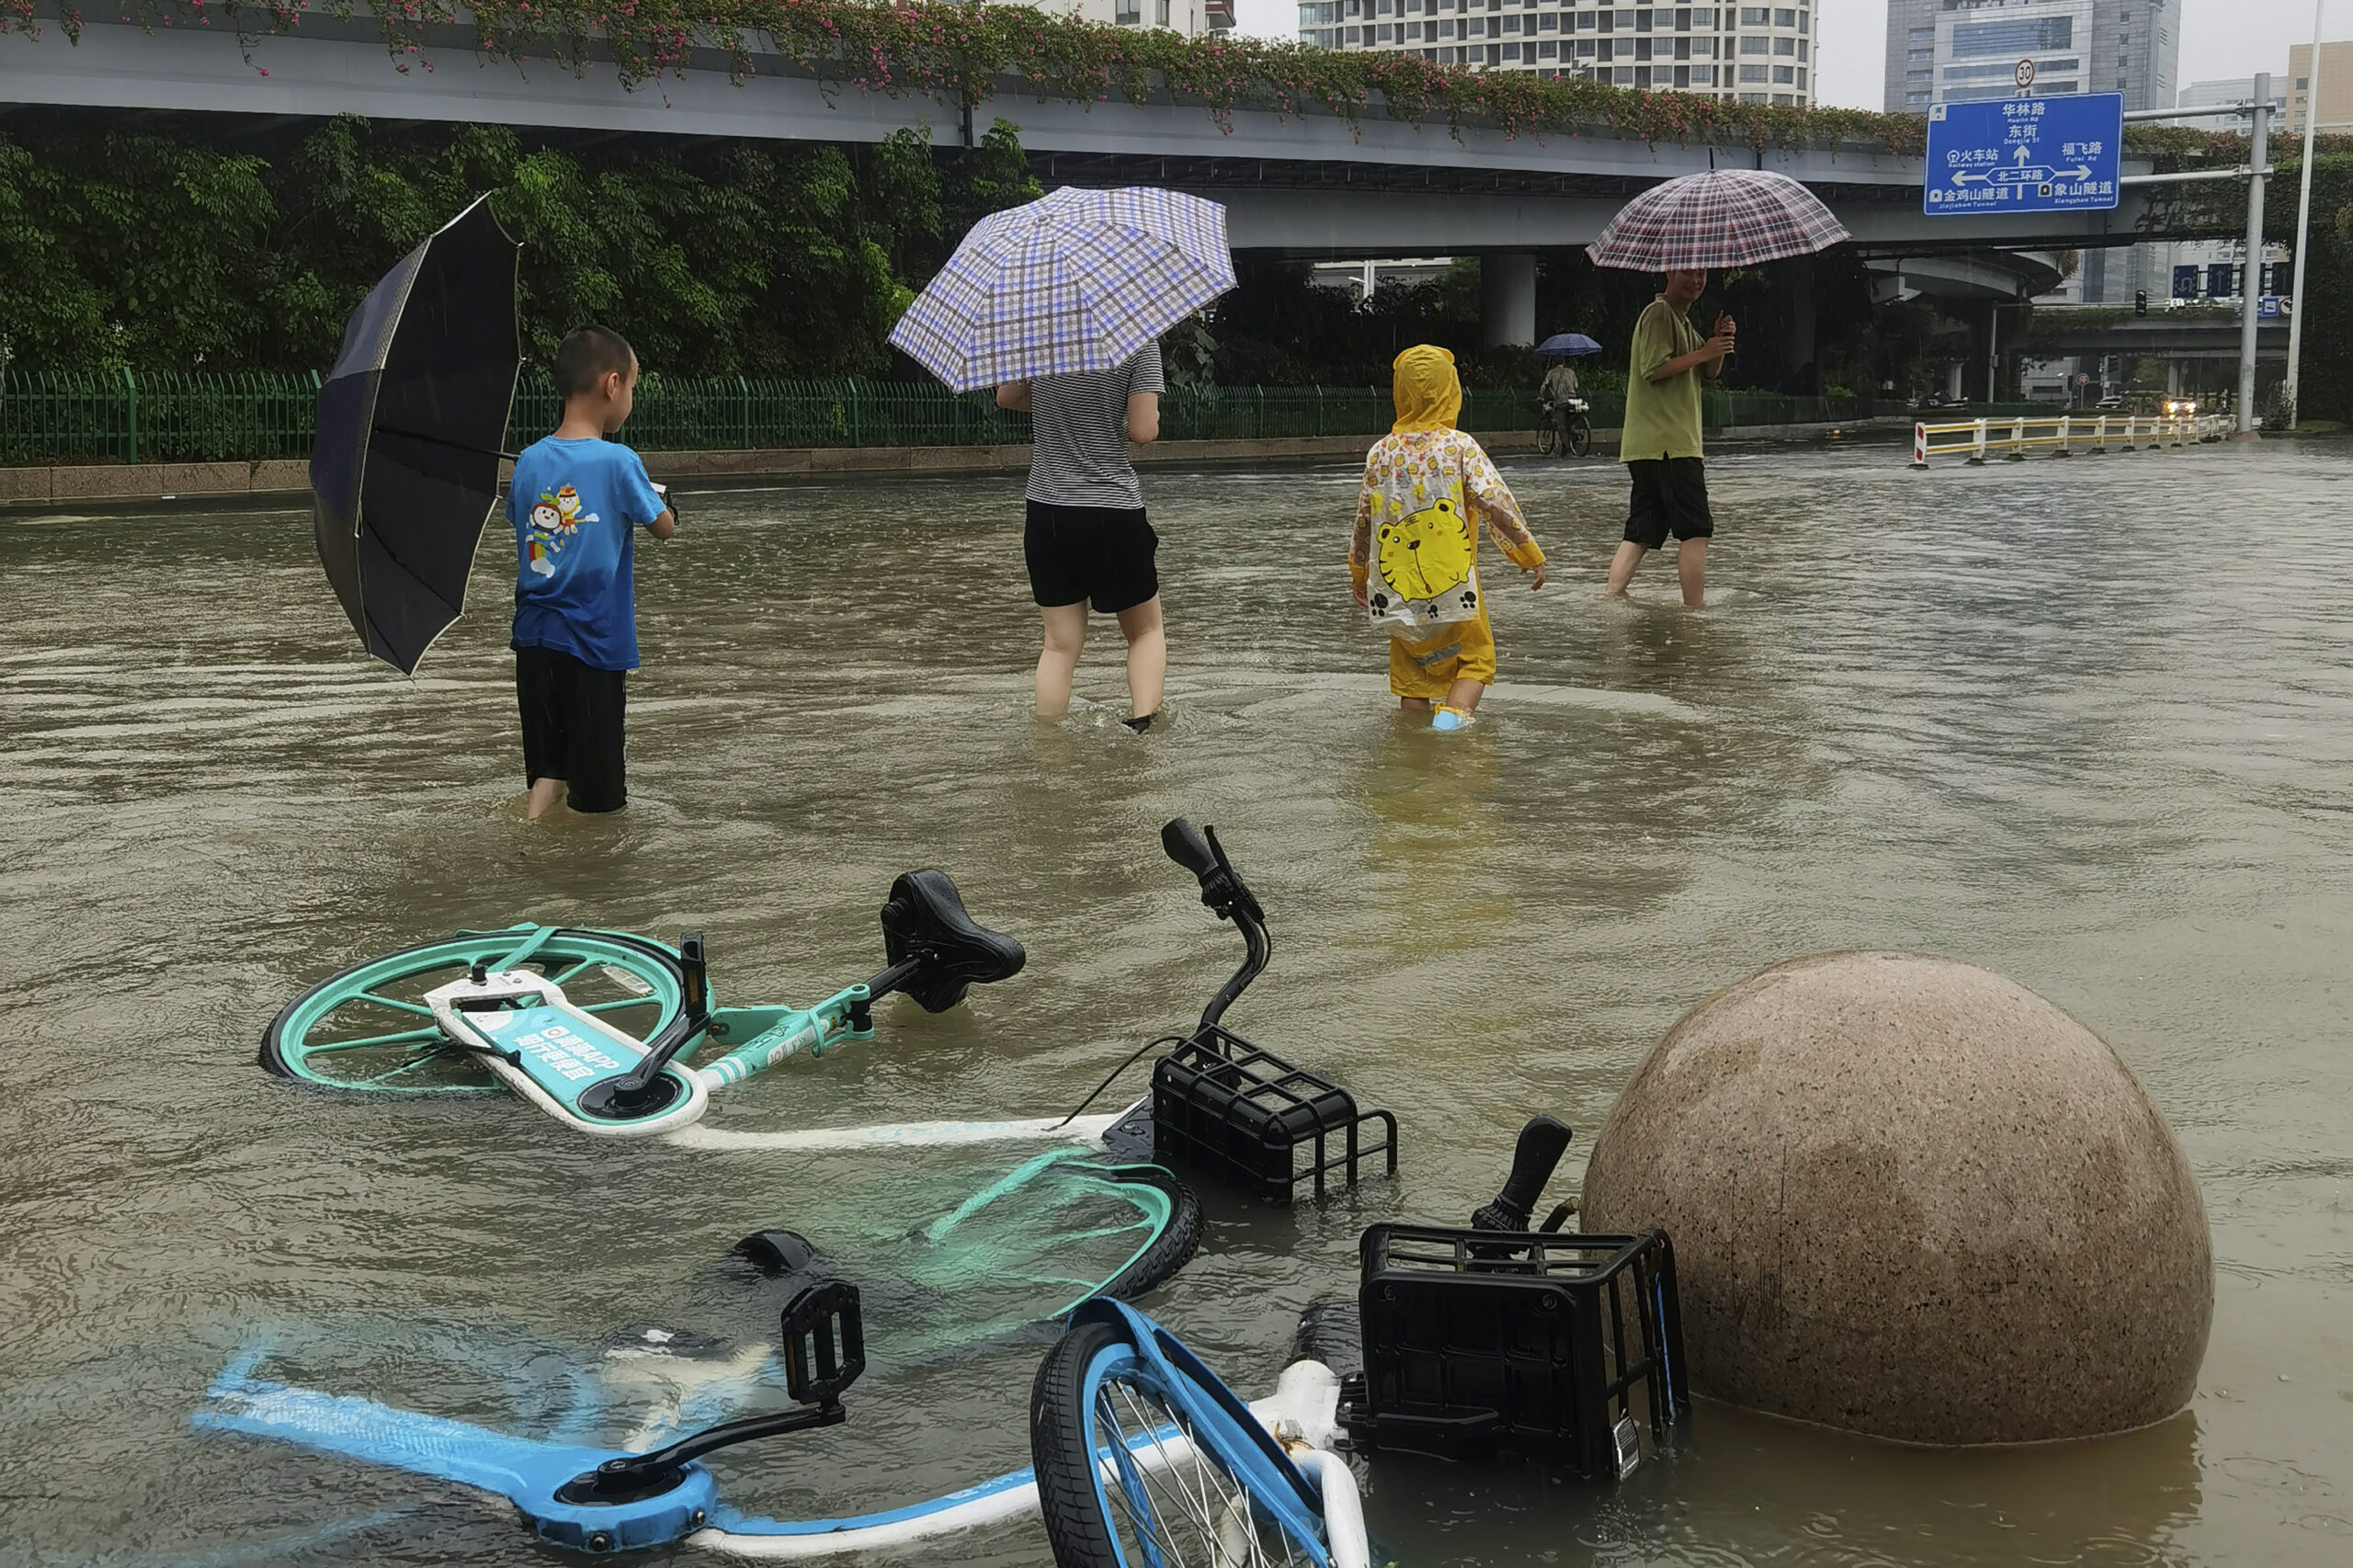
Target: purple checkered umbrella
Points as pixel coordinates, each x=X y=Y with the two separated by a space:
x=1723 y=218
x=1078 y=280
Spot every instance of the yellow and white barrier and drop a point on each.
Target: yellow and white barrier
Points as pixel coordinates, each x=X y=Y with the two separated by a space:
x=1977 y=439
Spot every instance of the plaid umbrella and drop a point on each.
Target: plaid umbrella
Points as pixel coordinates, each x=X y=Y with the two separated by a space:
x=1723 y=218
x=1078 y=280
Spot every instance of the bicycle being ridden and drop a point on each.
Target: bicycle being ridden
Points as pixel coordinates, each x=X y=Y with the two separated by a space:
x=1565 y=426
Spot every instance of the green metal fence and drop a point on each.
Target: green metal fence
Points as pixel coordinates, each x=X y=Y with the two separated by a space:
x=121 y=416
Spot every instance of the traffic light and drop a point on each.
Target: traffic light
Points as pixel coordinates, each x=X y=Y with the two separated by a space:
x=2141 y=303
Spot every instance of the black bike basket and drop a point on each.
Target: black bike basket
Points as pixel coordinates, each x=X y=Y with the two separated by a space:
x=1562 y=1347
x=1223 y=1108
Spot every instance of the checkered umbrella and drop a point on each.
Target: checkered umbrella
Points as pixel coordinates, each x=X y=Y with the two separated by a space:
x=1078 y=280
x=1723 y=218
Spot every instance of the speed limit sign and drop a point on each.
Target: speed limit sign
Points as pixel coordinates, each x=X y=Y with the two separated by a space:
x=2025 y=75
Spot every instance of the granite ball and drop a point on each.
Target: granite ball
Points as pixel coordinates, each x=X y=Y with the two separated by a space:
x=1912 y=1199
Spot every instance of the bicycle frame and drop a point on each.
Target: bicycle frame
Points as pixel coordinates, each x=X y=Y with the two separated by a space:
x=1301 y=1414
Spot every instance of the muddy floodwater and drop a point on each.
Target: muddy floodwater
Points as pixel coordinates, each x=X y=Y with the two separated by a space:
x=2087 y=724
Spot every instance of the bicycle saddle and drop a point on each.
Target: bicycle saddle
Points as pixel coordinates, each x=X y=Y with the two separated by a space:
x=924 y=921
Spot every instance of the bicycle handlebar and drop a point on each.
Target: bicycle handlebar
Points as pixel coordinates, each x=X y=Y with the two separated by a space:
x=1228 y=897
x=1542 y=1143
x=1189 y=849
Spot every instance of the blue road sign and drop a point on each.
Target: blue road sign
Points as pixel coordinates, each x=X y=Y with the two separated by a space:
x=2056 y=154
x=2184 y=282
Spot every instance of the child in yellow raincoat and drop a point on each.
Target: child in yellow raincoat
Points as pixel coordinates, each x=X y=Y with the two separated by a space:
x=1414 y=558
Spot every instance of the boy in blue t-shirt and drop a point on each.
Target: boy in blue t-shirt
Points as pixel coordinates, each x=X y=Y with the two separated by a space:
x=576 y=501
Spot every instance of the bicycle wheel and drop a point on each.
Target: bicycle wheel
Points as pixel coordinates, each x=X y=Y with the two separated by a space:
x=1548 y=436
x=1580 y=434
x=369 y=1027
x=1172 y=1248
x=1129 y=1477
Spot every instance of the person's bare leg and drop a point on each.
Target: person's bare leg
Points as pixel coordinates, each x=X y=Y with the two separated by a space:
x=1414 y=704
x=1621 y=568
x=1463 y=696
x=546 y=795
x=1147 y=636
x=1691 y=570
x=1065 y=634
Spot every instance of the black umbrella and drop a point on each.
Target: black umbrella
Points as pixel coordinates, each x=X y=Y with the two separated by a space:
x=411 y=421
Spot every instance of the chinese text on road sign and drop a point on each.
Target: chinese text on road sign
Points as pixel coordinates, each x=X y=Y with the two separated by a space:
x=2054 y=154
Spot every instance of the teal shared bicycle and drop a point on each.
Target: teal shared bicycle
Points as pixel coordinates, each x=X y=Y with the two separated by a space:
x=611 y=1033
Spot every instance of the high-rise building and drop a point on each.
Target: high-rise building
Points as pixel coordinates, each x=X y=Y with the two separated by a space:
x=1193 y=17
x=2333 y=93
x=2232 y=90
x=1761 y=54
x=1956 y=50
x=1953 y=51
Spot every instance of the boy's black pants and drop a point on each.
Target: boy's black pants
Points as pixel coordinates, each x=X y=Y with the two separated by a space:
x=572 y=726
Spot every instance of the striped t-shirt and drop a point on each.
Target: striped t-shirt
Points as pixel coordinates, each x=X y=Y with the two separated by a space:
x=1079 y=421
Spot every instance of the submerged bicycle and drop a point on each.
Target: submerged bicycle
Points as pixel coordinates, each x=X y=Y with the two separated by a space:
x=540 y=1009
x=1256 y=1482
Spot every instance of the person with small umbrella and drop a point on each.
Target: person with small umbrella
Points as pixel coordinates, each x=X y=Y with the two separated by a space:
x=1060 y=304
x=1721 y=219
x=1560 y=389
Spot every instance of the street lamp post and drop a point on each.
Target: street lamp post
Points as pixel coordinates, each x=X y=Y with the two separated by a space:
x=2303 y=210
x=2247 y=292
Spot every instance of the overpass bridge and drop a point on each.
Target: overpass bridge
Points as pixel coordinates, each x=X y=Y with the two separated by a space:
x=2162 y=335
x=1307 y=185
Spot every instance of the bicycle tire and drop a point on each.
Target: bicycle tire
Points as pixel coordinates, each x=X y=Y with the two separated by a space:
x=1580 y=434
x=1068 y=1417
x=284 y=1054
x=1548 y=438
x=1169 y=1251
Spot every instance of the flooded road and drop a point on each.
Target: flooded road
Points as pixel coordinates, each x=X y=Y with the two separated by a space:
x=2085 y=724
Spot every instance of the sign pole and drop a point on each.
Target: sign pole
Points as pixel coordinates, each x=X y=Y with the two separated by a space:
x=2303 y=212
x=2258 y=150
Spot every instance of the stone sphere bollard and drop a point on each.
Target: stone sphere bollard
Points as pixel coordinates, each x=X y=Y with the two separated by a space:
x=1913 y=1199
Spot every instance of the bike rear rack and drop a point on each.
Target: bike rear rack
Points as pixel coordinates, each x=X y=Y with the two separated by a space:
x=1561 y=1347
x=1221 y=1105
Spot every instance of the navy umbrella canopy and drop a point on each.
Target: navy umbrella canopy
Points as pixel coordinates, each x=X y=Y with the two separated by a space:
x=410 y=423
x=1568 y=346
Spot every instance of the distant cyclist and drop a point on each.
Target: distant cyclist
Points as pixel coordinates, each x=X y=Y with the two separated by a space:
x=1560 y=391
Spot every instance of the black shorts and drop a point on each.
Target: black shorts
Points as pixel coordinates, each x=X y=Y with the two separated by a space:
x=1670 y=496
x=572 y=726
x=1103 y=553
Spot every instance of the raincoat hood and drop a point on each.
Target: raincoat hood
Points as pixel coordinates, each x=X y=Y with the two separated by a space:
x=1429 y=394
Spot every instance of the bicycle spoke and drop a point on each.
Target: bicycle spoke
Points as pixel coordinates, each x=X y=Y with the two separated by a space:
x=567 y=974
x=409 y=1066
x=620 y=1001
x=394 y=1003
x=401 y=1039
x=1184 y=1488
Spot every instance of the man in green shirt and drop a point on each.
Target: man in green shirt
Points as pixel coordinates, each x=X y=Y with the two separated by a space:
x=1660 y=446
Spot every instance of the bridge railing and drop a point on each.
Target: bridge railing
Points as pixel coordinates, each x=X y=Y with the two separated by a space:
x=1977 y=440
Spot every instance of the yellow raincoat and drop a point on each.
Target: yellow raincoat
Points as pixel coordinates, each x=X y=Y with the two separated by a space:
x=1428 y=490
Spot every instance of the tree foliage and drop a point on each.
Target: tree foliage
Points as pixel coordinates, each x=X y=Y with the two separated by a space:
x=159 y=250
